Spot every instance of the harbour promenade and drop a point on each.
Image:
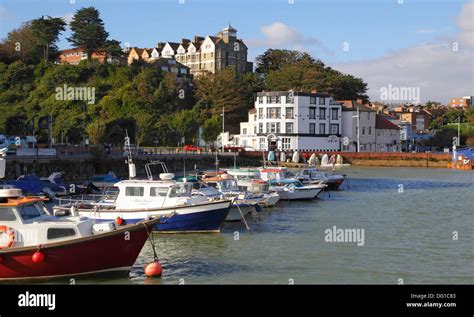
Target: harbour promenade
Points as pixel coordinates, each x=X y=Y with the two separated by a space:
x=78 y=162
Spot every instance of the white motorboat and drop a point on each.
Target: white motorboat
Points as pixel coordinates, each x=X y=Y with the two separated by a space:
x=142 y=199
x=292 y=189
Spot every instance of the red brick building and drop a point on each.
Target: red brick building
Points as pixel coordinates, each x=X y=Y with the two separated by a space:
x=460 y=102
x=74 y=55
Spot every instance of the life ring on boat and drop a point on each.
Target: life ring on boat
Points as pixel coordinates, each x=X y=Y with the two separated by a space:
x=11 y=237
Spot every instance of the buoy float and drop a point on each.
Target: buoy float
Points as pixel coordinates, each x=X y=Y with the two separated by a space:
x=153 y=269
x=37 y=257
x=119 y=221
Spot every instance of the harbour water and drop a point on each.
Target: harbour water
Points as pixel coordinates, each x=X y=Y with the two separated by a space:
x=418 y=228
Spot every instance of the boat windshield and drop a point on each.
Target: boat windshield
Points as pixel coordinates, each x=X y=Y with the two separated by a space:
x=30 y=211
x=227 y=185
x=180 y=190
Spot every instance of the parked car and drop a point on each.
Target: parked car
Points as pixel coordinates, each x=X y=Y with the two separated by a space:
x=191 y=148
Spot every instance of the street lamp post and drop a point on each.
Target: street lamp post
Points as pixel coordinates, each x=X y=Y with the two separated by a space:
x=358 y=129
x=223 y=129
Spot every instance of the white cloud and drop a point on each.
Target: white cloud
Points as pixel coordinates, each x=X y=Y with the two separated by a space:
x=68 y=17
x=437 y=68
x=281 y=35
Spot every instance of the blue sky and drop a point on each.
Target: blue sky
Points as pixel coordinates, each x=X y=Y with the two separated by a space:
x=372 y=29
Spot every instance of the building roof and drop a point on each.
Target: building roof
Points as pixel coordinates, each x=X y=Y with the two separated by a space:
x=253 y=110
x=74 y=49
x=353 y=105
x=174 y=45
x=382 y=123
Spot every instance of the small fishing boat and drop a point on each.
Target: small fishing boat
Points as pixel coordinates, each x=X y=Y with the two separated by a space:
x=140 y=199
x=315 y=176
x=292 y=189
x=105 y=180
x=224 y=185
x=248 y=179
x=34 y=185
x=34 y=245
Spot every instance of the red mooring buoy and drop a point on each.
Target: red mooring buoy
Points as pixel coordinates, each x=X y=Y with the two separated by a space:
x=119 y=221
x=37 y=257
x=153 y=269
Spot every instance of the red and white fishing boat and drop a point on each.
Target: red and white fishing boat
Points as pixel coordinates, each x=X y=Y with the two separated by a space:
x=36 y=245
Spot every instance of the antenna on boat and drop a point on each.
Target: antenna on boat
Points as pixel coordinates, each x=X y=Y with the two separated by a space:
x=132 y=173
x=3 y=162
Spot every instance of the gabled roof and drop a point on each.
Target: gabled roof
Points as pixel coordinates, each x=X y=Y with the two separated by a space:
x=382 y=123
x=353 y=105
x=139 y=51
x=174 y=45
x=215 y=39
x=253 y=110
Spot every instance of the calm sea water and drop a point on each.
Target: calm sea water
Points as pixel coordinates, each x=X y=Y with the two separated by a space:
x=410 y=219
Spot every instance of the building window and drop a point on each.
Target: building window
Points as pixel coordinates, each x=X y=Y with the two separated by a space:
x=312 y=112
x=289 y=127
x=312 y=128
x=321 y=101
x=334 y=128
x=322 y=113
x=334 y=114
x=290 y=99
x=273 y=113
x=260 y=99
x=289 y=113
x=244 y=131
x=260 y=113
x=312 y=100
x=273 y=99
x=370 y=130
x=286 y=143
x=260 y=128
x=322 y=128
x=263 y=143
x=363 y=130
x=273 y=127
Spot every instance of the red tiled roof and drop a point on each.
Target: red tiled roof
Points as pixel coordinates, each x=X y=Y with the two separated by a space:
x=353 y=105
x=382 y=123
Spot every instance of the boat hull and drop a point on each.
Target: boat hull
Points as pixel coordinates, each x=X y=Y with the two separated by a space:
x=297 y=194
x=235 y=215
x=208 y=217
x=107 y=252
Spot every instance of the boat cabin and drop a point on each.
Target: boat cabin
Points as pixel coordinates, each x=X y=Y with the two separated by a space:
x=146 y=194
x=25 y=221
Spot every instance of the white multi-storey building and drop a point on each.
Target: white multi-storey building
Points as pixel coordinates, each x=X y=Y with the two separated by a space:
x=287 y=120
x=358 y=127
x=387 y=136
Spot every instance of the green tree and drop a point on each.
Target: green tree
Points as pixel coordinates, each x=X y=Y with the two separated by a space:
x=276 y=59
x=88 y=31
x=21 y=44
x=47 y=31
